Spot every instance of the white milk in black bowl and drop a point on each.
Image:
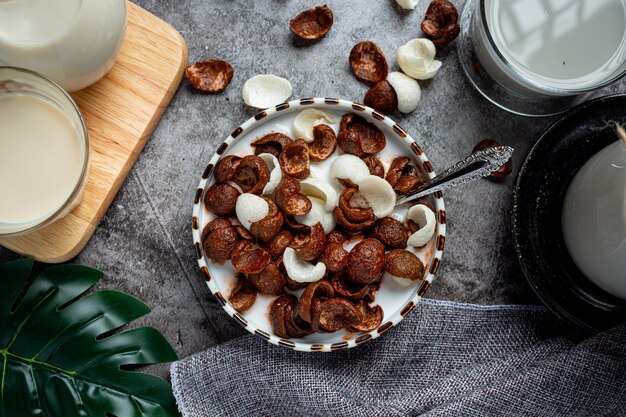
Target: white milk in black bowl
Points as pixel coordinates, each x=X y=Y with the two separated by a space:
x=594 y=218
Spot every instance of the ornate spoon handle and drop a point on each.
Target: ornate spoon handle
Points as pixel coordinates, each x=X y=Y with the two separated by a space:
x=475 y=166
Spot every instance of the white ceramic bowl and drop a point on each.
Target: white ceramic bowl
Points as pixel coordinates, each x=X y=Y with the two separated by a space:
x=397 y=301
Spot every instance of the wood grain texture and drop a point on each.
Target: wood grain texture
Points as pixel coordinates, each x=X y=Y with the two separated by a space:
x=120 y=111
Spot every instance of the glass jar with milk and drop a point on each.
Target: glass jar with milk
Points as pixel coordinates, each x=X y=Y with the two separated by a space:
x=541 y=57
x=44 y=152
x=72 y=42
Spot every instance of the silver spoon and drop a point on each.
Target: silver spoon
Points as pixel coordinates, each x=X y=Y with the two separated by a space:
x=475 y=166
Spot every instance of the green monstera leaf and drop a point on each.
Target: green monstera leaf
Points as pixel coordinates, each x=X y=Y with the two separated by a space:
x=58 y=355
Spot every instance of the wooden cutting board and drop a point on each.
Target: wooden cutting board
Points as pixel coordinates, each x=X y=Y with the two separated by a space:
x=121 y=111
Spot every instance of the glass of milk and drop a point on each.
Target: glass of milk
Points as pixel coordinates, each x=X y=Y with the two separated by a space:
x=541 y=57
x=44 y=152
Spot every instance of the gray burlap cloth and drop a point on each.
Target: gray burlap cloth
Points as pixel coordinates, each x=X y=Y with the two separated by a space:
x=444 y=359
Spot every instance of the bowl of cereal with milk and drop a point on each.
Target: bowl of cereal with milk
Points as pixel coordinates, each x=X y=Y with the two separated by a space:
x=297 y=231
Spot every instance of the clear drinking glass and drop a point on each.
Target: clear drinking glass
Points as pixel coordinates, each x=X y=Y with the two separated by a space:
x=19 y=81
x=512 y=51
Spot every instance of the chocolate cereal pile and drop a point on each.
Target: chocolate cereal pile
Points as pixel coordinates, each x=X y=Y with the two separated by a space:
x=284 y=230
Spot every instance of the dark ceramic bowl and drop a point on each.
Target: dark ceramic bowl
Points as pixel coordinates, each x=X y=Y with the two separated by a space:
x=538 y=196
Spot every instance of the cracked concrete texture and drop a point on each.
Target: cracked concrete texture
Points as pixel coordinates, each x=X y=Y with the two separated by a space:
x=144 y=242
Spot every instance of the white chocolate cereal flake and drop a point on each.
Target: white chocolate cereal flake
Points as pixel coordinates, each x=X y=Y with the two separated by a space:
x=349 y=167
x=407 y=90
x=276 y=173
x=379 y=195
x=251 y=208
x=266 y=90
x=408 y=4
x=302 y=271
x=417 y=59
x=426 y=220
x=313 y=187
x=318 y=213
x=306 y=120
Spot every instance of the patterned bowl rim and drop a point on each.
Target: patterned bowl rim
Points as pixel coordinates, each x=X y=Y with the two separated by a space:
x=331 y=104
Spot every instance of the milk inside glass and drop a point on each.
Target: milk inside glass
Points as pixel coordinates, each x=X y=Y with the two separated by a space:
x=32 y=22
x=594 y=219
x=41 y=160
x=558 y=44
x=72 y=42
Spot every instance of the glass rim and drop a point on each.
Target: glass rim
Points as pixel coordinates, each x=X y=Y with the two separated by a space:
x=85 y=138
x=513 y=71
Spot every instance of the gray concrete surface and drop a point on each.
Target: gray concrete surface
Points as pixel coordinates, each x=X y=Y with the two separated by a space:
x=144 y=242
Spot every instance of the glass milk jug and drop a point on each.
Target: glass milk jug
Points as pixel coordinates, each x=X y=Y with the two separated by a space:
x=72 y=42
